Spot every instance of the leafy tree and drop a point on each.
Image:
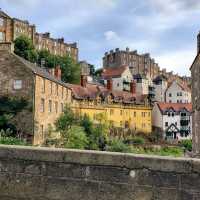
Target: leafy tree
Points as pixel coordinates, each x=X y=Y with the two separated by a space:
x=76 y=138
x=66 y=120
x=9 y=108
x=24 y=48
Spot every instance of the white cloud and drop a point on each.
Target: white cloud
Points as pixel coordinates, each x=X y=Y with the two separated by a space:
x=177 y=61
x=111 y=36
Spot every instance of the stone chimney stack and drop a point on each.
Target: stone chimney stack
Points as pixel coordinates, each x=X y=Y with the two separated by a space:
x=133 y=87
x=83 y=81
x=109 y=84
x=198 y=43
x=58 y=73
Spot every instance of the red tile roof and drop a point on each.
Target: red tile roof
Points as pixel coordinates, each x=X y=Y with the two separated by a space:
x=113 y=72
x=175 y=106
x=91 y=91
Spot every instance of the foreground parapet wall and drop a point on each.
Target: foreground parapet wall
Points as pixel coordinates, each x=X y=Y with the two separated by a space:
x=55 y=174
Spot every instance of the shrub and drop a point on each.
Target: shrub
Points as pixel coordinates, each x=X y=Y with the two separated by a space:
x=118 y=146
x=12 y=141
x=136 y=140
x=187 y=144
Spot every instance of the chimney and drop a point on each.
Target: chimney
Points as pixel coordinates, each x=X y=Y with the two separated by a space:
x=47 y=35
x=127 y=49
x=83 y=81
x=7 y=46
x=61 y=40
x=109 y=84
x=198 y=43
x=58 y=73
x=133 y=87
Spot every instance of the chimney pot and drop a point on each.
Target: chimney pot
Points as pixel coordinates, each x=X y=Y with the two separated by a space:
x=83 y=80
x=58 y=73
x=109 y=84
x=133 y=87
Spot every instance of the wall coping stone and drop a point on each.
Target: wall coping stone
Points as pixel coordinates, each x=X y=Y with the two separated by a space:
x=98 y=158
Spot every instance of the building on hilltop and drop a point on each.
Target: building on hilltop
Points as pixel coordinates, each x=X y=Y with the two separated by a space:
x=138 y=64
x=11 y=28
x=173 y=119
x=121 y=108
x=44 y=91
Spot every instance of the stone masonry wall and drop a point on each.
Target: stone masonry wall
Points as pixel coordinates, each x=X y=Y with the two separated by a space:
x=28 y=173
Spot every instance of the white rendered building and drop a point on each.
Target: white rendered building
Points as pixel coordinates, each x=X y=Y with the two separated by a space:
x=174 y=119
x=178 y=93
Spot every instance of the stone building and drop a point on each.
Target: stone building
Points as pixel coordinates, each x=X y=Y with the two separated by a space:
x=11 y=28
x=44 y=91
x=195 y=71
x=138 y=64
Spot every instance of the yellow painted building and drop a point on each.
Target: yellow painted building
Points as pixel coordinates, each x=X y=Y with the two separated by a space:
x=121 y=109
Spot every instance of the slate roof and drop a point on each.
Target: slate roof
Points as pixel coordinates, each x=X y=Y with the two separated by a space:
x=91 y=91
x=40 y=71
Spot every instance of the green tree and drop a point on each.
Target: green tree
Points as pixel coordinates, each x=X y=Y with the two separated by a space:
x=9 y=108
x=76 y=138
x=66 y=120
x=117 y=145
x=25 y=48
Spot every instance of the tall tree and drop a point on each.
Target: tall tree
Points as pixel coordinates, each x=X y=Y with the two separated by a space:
x=25 y=48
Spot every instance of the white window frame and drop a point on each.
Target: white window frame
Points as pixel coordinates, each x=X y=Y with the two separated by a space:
x=17 y=84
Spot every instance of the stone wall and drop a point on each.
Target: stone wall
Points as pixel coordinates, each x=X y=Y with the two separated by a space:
x=54 y=174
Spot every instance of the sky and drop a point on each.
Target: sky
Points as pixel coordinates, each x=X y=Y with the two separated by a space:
x=167 y=29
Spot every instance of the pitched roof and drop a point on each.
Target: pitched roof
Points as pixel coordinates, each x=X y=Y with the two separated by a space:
x=91 y=91
x=2 y=13
x=175 y=106
x=113 y=72
x=181 y=84
x=39 y=71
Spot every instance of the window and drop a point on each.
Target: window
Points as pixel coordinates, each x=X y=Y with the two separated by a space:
x=1 y=21
x=43 y=85
x=111 y=112
x=51 y=87
x=2 y=36
x=121 y=123
x=134 y=114
x=56 y=107
x=62 y=92
x=66 y=93
x=17 y=85
x=121 y=112
x=42 y=105
x=62 y=107
x=166 y=124
x=177 y=94
x=50 y=106
x=57 y=89
x=42 y=131
x=170 y=94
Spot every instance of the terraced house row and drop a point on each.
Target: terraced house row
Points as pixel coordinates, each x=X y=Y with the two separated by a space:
x=47 y=95
x=11 y=28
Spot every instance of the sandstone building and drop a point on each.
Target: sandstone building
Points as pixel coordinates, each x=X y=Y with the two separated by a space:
x=11 y=28
x=138 y=64
x=195 y=71
x=44 y=91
